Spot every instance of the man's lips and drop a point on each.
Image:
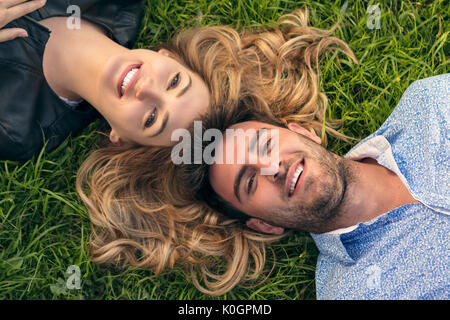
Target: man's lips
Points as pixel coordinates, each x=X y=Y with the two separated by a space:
x=132 y=81
x=291 y=175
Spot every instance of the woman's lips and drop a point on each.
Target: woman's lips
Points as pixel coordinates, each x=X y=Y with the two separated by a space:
x=122 y=77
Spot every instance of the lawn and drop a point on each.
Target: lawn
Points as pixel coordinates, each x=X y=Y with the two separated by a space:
x=44 y=227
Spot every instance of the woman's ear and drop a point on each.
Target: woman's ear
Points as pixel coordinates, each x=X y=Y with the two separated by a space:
x=300 y=130
x=115 y=139
x=261 y=226
x=167 y=53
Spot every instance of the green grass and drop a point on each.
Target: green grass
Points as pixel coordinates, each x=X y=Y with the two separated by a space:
x=44 y=228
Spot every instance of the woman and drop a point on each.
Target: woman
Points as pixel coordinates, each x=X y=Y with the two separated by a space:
x=137 y=217
x=51 y=79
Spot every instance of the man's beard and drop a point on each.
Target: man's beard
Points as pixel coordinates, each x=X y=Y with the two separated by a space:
x=320 y=215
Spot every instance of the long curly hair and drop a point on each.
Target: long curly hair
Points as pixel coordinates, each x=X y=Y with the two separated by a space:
x=140 y=216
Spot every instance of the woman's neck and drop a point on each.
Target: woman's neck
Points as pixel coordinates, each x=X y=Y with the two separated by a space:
x=74 y=58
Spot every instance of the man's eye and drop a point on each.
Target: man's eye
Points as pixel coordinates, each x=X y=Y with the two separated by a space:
x=266 y=148
x=174 y=81
x=250 y=183
x=150 y=120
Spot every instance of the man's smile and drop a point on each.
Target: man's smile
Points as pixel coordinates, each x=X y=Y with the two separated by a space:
x=294 y=177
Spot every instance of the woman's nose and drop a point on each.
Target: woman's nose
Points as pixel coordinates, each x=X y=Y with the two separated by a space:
x=145 y=88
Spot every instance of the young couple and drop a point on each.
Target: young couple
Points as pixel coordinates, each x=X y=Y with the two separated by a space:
x=67 y=77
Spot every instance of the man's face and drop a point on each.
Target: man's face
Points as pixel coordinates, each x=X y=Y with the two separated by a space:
x=304 y=193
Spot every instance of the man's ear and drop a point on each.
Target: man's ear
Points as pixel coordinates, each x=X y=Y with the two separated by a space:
x=299 y=129
x=261 y=226
x=115 y=139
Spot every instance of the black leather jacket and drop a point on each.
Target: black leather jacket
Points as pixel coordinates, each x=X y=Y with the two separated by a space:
x=29 y=109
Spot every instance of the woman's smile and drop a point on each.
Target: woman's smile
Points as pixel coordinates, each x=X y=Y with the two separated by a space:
x=128 y=78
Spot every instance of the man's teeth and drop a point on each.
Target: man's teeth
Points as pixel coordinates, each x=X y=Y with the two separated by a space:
x=128 y=77
x=295 y=178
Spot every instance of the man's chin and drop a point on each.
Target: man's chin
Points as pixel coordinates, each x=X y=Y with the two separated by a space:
x=321 y=214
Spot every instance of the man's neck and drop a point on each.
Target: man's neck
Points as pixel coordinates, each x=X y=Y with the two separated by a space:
x=374 y=190
x=74 y=58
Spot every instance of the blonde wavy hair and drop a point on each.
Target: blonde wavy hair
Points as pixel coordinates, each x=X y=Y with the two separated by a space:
x=140 y=216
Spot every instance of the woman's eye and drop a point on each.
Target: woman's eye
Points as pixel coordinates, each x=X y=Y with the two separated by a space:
x=174 y=81
x=150 y=120
x=250 y=184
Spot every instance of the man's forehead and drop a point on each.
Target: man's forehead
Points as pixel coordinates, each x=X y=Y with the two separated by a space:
x=244 y=129
x=240 y=141
x=240 y=132
x=251 y=125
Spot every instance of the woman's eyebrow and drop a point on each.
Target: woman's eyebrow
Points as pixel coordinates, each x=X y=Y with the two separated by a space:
x=183 y=91
x=162 y=127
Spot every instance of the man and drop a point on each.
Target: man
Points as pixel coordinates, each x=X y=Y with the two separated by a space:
x=379 y=215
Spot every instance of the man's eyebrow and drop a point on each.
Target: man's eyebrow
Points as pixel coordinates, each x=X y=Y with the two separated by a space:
x=183 y=91
x=237 y=181
x=162 y=127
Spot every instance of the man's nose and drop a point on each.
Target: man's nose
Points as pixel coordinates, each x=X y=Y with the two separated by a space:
x=275 y=172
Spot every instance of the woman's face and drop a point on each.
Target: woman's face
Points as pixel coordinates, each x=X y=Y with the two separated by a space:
x=145 y=95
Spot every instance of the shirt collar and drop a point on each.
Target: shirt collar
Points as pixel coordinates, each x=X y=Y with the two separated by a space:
x=330 y=244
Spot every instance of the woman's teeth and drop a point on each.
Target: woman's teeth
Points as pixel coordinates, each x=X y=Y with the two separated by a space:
x=295 y=179
x=128 y=78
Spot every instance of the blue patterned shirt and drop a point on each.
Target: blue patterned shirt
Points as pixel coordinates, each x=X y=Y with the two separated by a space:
x=403 y=253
